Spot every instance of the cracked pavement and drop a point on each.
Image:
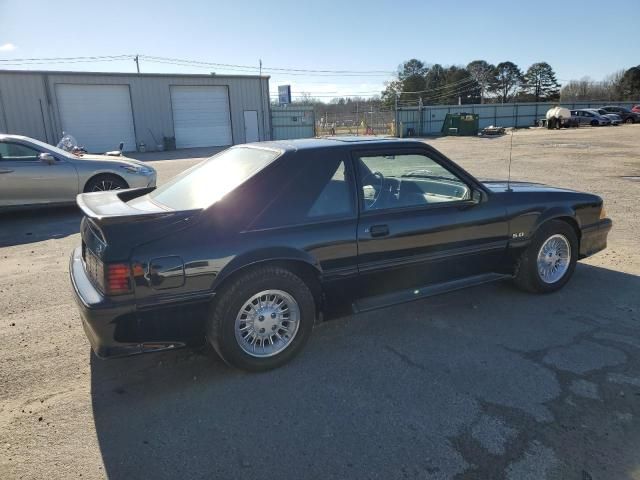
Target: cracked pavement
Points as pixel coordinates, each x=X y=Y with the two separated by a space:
x=485 y=383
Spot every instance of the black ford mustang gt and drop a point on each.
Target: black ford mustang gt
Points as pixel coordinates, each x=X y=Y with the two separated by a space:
x=246 y=248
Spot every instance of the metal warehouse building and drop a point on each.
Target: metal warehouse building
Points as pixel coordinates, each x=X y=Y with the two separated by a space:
x=145 y=111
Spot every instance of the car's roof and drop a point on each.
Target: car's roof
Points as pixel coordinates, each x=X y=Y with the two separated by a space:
x=335 y=142
x=9 y=136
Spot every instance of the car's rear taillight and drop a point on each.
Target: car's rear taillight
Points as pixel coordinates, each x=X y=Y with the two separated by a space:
x=117 y=279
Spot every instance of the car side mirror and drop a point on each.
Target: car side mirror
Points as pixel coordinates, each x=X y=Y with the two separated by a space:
x=476 y=196
x=47 y=158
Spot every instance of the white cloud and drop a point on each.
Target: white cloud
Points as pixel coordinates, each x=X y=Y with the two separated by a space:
x=7 y=47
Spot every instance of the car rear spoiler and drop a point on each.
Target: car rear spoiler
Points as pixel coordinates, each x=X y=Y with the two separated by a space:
x=121 y=227
x=111 y=206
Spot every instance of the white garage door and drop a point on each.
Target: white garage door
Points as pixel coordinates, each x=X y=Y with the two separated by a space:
x=201 y=116
x=98 y=116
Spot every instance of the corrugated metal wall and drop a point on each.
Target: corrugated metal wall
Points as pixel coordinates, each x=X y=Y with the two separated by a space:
x=29 y=104
x=503 y=115
x=24 y=106
x=292 y=122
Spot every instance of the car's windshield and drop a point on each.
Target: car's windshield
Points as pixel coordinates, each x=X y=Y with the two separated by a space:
x=206 y=183
x=51 y=148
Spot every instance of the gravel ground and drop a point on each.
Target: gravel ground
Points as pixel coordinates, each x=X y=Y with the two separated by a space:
x=485 y=383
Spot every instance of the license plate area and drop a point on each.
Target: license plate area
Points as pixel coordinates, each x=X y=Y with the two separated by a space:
x=94 y=267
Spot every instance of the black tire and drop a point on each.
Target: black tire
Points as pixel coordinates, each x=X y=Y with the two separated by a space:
x=527 y=277
x=232 y=297
x=629 y=120
x=104 y=182
x=594 y=123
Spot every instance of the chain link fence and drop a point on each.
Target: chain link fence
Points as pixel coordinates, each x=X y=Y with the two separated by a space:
x=371 y=121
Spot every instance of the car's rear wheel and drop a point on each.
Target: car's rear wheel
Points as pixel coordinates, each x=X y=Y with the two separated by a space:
x=550 y=260
x=629 y=120
x=105 y=182
x=262 y=319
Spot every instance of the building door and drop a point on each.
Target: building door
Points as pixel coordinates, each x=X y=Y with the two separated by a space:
x=201 y=116
x=251 y=133
x=98 y=116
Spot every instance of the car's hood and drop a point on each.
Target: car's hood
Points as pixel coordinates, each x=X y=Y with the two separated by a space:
x=112 y=159
x=501 y=186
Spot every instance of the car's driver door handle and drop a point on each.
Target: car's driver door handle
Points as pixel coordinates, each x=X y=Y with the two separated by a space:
x=379 y=230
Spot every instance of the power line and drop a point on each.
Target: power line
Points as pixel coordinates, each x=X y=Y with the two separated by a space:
x=465 y=82
x=64 y=60
x=271 y=69
x=52 y=59
x=254 y=70
x=198 y=64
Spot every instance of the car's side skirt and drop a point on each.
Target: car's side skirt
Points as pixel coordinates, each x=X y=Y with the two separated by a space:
x=402 y=296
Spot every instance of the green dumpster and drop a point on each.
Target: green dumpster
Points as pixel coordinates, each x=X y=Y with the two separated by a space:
x=461 y=124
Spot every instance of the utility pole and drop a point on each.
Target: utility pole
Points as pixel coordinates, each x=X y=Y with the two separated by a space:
x=137 y=63
x=396 y=115
x=357 y=120
x=261 y=100
x=420 y=105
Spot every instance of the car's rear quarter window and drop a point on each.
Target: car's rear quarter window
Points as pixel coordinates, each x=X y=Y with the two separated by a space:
x=317 y=187
x=206 y=183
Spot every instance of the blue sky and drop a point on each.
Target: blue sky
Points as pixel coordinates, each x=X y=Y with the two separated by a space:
x=327 y=35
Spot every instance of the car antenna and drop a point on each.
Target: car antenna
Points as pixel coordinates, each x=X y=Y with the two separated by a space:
x=509 y=174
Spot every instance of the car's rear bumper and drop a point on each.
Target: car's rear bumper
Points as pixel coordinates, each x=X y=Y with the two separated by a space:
x=594 y=237
x=113 y=328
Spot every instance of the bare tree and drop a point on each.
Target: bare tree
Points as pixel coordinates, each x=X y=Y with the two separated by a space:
x=483 y=73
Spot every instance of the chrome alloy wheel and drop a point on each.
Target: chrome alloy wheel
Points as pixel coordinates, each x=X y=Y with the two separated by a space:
x=554 y=258
x=267 y=323
x=105 y=185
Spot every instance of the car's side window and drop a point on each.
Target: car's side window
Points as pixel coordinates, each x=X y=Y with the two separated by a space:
x=407 y=180
x=334 y=199
x=15 y=152
x=315 y=188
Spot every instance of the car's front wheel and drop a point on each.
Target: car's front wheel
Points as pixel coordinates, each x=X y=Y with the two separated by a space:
x=105 y=182
x=629 y=120
x=550 y=260
x=262 y=319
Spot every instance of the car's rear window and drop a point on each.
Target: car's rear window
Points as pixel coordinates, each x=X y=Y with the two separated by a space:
x=206 y=183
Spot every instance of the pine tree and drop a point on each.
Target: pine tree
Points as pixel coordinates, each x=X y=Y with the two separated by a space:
x=540 y=81
x=507 y=81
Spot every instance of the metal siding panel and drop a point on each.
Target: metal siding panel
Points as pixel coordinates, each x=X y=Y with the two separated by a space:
x=284 y=127
x=150 y=102
x=22 y=95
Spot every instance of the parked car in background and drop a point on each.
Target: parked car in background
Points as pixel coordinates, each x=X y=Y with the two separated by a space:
x=35 y=173
x=250 y=259
x=614 y=117
x=636 y=108
x=627 y=115
x=587 y=116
